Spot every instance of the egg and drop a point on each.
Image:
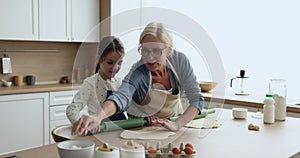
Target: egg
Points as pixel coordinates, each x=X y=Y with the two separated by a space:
x=188 y=150
x=189 y=145
x=176 y=150
x=152 y=150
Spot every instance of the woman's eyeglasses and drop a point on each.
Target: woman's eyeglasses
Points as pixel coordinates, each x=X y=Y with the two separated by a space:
x=156 y=52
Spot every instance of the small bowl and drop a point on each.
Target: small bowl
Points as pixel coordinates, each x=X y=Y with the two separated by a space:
x=76 y=149
x=7 y=84
x=239 y=113
x=132 y=153
x=207 y=86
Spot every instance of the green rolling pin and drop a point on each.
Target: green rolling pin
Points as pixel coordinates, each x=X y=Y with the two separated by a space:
x=203 y=114
x=122 y=124
x=139 y=122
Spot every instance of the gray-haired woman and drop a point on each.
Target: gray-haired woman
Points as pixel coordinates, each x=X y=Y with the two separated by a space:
x=155 y=83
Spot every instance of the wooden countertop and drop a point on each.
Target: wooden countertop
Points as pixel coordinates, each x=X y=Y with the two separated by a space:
x=232 y=139
x=250 y=100
x=37 y=88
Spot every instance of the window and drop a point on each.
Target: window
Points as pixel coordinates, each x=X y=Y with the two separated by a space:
x=261 y=37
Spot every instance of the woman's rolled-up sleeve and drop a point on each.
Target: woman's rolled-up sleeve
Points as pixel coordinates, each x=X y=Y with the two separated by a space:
x=134 y=87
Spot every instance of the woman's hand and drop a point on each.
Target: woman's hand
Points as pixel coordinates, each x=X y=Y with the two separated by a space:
x=172 y=126
x=185 y=118
x=86 y=124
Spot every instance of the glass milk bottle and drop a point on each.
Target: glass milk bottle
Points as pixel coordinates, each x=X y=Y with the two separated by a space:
x=277 y=88
x=269 y=109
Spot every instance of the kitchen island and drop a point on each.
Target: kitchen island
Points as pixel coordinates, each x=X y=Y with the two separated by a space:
x=231 y=139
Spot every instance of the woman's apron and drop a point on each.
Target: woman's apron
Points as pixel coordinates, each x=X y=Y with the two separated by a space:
x=162 y=103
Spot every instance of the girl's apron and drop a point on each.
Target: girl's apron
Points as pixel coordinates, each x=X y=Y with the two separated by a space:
x=162 y=103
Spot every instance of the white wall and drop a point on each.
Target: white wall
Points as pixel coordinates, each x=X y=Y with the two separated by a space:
x=127 y=27
x=261 y=37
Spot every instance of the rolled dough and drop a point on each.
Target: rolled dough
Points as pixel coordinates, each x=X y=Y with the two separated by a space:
x=151 y=132
x=204 y=123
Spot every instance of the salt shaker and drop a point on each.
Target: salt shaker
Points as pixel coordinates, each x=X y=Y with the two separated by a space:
x=278 y=89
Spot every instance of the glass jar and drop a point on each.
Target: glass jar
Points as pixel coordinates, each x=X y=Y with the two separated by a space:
x=278 y=89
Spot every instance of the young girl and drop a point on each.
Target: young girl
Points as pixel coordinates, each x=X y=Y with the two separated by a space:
x=95 y=89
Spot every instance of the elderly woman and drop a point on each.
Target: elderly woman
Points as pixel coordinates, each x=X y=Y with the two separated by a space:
x=155 y=83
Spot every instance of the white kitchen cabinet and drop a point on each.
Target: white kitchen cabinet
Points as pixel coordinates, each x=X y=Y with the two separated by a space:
x=59 y=101
x=19 y=19
x=55 y=25
x=85 y=20
x=50 y=20
x=69 y=20
x=57 y=118
x=61 y=97
x=24 y=121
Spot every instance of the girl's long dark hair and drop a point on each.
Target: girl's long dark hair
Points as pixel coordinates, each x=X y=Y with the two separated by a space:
x=107 y=45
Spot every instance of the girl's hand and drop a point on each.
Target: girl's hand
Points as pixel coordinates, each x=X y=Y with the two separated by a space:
x=86 y=124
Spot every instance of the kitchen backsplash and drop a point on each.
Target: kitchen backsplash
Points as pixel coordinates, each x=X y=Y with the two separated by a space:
x=48 y=61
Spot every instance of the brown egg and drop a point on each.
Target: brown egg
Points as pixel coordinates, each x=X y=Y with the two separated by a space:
x=176 y=150
x=189 y=150
x=189 y=145
x=152 y=150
